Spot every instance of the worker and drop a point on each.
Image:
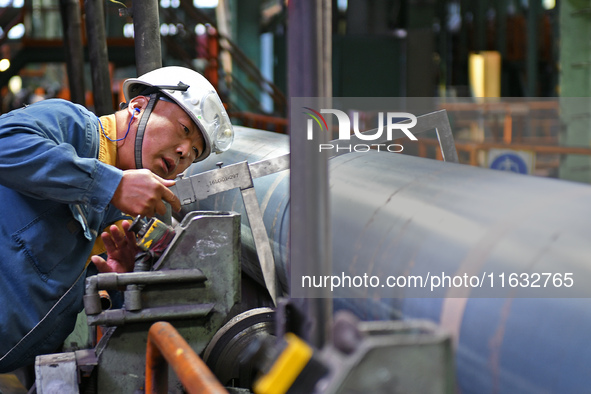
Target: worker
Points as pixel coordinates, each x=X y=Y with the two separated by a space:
x=66 y=175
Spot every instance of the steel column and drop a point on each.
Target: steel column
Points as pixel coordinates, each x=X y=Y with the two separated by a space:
x=99 y=58
x=575 y=87
x=309 y=71
x=72 y=28
x=146 y=23
x=533 y=17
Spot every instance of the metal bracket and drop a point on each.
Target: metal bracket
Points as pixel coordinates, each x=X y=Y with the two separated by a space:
x=239 y=175
x=261 y=240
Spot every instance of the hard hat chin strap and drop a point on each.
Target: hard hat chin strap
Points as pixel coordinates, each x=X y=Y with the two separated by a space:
x=141 y=128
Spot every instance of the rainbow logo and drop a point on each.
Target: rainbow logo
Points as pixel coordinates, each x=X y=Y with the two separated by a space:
x=316 y=115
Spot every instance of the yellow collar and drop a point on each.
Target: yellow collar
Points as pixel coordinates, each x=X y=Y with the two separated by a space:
x=107 y=155
x=108 y=149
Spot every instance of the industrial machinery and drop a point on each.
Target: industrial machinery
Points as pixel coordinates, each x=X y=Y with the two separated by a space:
x=194 y=284
x=228 y=296
x=197 y=298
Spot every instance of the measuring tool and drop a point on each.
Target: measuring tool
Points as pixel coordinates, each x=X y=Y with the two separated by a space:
x=239 y=175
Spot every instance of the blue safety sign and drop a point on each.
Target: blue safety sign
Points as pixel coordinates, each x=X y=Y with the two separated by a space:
x=520 y=162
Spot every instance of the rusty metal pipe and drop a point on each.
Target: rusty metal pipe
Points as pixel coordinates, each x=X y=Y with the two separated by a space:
x=166 y=345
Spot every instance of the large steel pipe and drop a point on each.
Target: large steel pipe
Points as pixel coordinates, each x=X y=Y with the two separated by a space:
x=399 y=215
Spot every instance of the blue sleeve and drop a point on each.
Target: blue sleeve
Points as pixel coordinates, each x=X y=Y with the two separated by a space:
x=49 y=150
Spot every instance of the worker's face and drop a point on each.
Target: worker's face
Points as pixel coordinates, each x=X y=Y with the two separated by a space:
x=171 y=140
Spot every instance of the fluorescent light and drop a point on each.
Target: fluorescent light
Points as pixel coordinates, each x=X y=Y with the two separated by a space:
x=4 y=65
x=18 y=31
x=205 y=3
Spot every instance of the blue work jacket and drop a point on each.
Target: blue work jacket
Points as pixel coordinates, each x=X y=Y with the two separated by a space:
x=55 y=197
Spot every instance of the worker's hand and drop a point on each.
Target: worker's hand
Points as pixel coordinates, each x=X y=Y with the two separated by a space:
x=143 y=193
x=121 y=250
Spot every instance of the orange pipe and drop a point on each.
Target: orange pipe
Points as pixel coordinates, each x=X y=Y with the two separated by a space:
x=213 y=48
x=508 y=128
x=165 y=345
x=422 y=149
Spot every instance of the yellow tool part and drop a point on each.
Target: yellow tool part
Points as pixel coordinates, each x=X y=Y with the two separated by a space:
x=154 y=234
x=286 y=368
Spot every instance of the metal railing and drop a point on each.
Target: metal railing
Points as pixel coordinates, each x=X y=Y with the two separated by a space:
x=473 y=148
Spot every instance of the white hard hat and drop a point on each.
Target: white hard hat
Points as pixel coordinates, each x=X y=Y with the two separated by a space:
x=193 y=93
